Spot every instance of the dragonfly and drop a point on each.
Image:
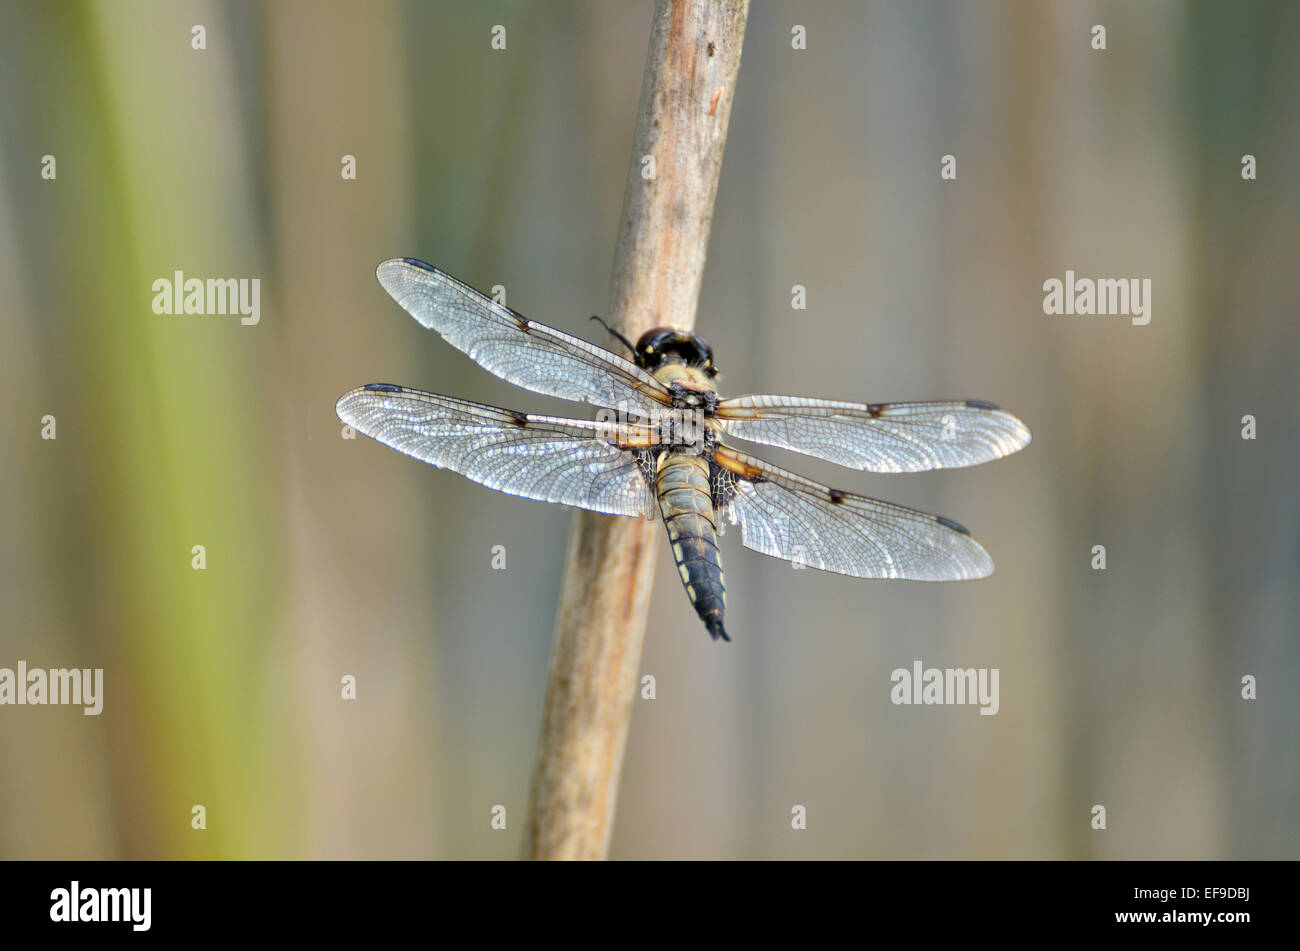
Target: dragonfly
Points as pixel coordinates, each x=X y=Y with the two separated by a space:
x=657 y=446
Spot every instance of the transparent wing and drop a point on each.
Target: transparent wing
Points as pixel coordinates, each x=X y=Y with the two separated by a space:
x=570 y=461
x=787 y=516
x=878 y=437
x=528 y=354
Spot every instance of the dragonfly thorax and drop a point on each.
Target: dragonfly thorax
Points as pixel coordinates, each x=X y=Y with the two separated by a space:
x=687 y=431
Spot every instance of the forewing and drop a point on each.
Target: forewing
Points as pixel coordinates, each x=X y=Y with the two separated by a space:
x=528 y=354
x=570 y=461
x=790 y=517
x=878 y=437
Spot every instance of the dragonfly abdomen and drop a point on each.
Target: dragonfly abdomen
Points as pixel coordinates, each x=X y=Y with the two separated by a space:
x=686 y=503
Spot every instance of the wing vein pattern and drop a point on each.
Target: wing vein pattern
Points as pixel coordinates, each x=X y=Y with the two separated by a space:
x=570 y=461
x=519 y=350
x=877 y=437
x=787 y=516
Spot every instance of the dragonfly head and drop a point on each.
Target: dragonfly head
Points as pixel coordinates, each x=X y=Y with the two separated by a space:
x=666 y=345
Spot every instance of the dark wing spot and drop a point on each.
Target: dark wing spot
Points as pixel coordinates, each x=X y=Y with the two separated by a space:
x=875 y=409
x=949 y=523
x=519 y=419
x=522 y=322
x=382 y=388
x=838 y=496
x=980 y=404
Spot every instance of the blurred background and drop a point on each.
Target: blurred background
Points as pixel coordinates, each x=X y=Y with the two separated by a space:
x=327 y=557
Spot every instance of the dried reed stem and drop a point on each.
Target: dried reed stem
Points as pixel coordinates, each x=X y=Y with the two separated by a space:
x=686 y=97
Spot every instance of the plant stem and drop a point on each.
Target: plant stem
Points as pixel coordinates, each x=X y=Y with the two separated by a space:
x=686 y=97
